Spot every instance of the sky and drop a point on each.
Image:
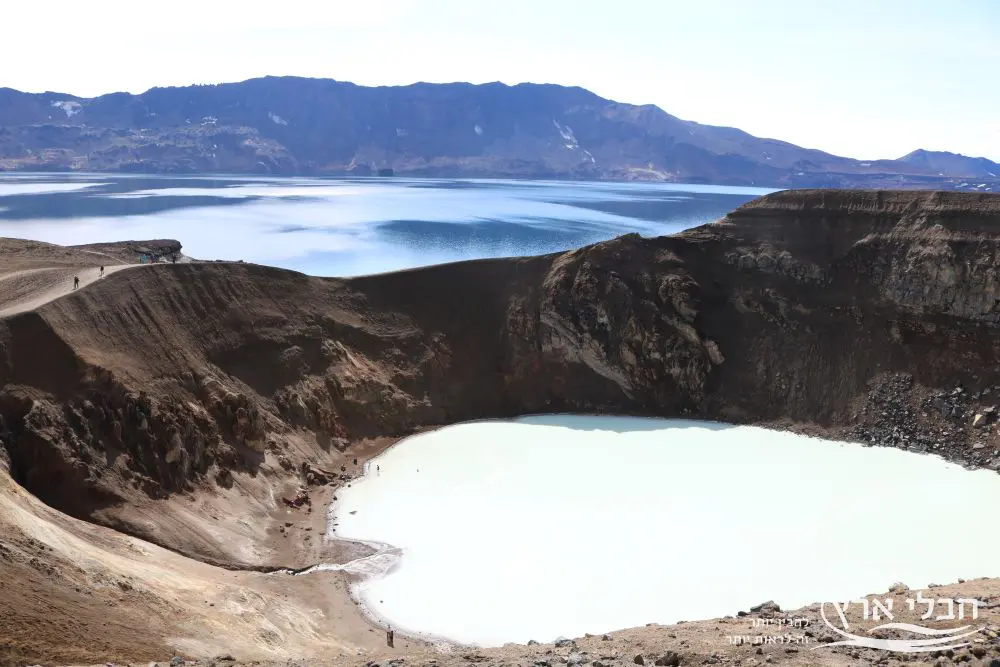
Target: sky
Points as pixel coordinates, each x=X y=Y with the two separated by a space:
x=863 y=78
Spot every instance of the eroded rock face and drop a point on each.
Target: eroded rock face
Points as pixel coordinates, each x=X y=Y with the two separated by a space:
x=634 y=327
x=81 y=454
x=847 y=314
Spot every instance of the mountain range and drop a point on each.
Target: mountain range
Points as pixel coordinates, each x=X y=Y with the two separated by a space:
x=292 y=125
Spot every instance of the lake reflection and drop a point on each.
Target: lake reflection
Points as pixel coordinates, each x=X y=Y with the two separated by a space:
x=345 y=227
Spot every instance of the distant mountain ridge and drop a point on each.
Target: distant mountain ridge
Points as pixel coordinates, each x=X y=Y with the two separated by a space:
x=292 y=125
x=944 y=162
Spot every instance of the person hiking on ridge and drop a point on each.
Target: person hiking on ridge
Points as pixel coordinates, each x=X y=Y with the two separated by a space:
x=101 y=275
x=76 y=281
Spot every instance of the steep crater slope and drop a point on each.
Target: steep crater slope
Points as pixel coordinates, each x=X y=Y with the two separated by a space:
x=866 y=315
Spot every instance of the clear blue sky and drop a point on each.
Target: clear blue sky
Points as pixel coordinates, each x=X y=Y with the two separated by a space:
x=865 y=78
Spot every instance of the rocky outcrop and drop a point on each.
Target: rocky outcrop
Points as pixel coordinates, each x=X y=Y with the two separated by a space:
x=862 y=315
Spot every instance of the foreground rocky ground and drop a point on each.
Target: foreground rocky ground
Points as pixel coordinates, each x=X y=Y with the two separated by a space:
x=155 y=422
x=763 y=637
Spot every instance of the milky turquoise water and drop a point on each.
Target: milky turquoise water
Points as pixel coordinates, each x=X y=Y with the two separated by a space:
x=558 y=526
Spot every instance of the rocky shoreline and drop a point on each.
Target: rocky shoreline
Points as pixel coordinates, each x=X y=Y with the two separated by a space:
x=960 y=425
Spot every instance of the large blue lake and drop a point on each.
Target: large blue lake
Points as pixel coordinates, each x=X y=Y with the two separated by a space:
x=347 y=227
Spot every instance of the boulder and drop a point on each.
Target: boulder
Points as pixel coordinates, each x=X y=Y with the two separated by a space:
x=669 y=659
x=765 y=607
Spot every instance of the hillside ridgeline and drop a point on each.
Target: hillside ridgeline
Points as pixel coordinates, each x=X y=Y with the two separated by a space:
x=293 y=125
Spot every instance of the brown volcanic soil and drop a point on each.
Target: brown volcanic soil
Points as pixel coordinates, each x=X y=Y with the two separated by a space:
x=34 y=273
x=179 y=403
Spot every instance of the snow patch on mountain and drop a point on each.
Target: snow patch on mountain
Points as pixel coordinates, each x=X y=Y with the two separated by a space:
x=69 y=107
x=566 y=132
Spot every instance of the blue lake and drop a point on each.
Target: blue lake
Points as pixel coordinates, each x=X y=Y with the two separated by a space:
x=347 y=227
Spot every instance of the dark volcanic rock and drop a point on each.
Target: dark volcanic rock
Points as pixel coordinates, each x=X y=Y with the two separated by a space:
x=765 y=608
x=669 y=659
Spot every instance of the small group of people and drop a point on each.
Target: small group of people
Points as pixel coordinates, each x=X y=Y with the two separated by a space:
x=76 y=279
